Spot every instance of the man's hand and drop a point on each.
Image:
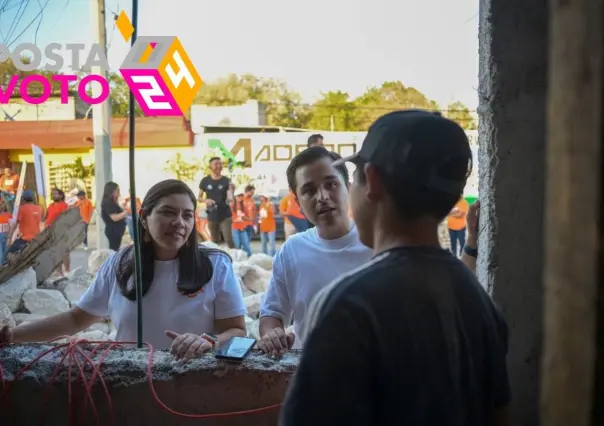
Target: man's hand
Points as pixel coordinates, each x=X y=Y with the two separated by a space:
x=188 y=345
x=210 y=202
x=276 y=342
x=472 y=222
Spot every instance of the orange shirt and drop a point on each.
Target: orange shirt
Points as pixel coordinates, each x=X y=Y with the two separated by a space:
x=293 y=208
x=283 y=204
x=238 y=213
x=29 y=218
x=54 y=210
x=459 y=223
x=10 y=182
x=86 y=209
x=267 y=218
x=138 y=205
x=4 y=222
x=250 y=208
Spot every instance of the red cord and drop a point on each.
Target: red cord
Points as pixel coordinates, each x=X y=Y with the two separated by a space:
x=74 y=352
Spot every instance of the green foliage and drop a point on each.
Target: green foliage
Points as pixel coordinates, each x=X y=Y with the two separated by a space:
x=460 y=113
x=78 y=170
x=182 y=169
x=284 y=107
x=120 y=97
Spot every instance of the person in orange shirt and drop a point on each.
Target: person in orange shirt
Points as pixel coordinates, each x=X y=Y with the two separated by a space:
x=9 y=181
x=86 y=209
x=54 y=210
x=268 y=226
x=128 y=210
x=5 y=222
x=457 y=226
x=28 y=220
x=240 y=223
x=295 y=215
x=288 y=228
x=250 y=210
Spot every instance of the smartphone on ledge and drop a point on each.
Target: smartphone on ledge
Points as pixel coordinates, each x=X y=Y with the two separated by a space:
x=235 y=349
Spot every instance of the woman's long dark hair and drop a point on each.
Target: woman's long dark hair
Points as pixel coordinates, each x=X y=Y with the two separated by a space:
x=108 y=191
x=195 y=266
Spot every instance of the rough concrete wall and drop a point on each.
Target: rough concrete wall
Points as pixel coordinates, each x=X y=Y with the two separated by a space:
x=512 y=90
x=205 y=385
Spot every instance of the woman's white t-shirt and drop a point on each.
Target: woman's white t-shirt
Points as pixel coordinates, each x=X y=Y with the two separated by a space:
x=164 y=308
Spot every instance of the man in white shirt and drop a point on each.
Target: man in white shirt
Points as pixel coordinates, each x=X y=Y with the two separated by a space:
x=309 y=261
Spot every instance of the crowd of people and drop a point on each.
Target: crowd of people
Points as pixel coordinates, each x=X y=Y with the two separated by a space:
x=393 y=329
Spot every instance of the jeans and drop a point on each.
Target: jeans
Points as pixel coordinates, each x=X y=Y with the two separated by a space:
x=250 y=232
x=457 y=237
x=130 y=224
x=3 y=248
x=301 y=225
x=268 y=237
x=242 y=240
x=86 y=234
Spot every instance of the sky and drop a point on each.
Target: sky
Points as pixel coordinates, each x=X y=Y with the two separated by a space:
x=315 y=45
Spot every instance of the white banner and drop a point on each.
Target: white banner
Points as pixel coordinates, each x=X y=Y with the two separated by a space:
x=40 y=169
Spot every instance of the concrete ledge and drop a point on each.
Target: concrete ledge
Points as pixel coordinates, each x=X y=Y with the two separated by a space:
x=202 y=386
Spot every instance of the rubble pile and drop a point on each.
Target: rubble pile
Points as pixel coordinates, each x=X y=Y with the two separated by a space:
x=23 y=301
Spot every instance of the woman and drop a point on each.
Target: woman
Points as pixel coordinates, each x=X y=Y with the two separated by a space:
x=53 y=211
x=241 y=237
x=113 y=215
x=188 y=289
x=268 y=225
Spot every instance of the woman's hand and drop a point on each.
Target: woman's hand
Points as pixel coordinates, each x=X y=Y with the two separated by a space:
x=188 y=345
x=6 y=335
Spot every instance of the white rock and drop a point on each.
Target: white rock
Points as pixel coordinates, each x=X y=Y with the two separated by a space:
x=12 y=290
x=262 y=260
x=241 y=268
x=94 y=335
x=45 y=302
x=99 y=326
x=252 y=304
x=97 y=258
x=73 y=291
x=112 y=335
x=237 y=255
x=257 y=279
x=253 y=330
x=6 y=316
x=210 y=244
x=21 y=318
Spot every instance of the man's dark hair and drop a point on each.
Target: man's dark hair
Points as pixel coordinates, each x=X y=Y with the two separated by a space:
x=309 y=156
x=249 y=188
x=414 y=200
x=313 y=139
x=213 y=158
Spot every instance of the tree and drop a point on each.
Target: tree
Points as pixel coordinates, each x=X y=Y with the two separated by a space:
x=182 y=169
x=460 y=113
x=391 y=96
x=337 y=105
x=120 y=97
x=8 y=70
x=284 y=107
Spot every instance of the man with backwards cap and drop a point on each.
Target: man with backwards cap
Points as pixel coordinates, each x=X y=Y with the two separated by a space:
x=411 y=338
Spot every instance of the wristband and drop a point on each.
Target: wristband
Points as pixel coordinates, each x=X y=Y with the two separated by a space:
x=472 y=252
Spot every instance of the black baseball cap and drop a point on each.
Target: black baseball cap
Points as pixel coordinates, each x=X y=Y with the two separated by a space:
x=414 y=146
